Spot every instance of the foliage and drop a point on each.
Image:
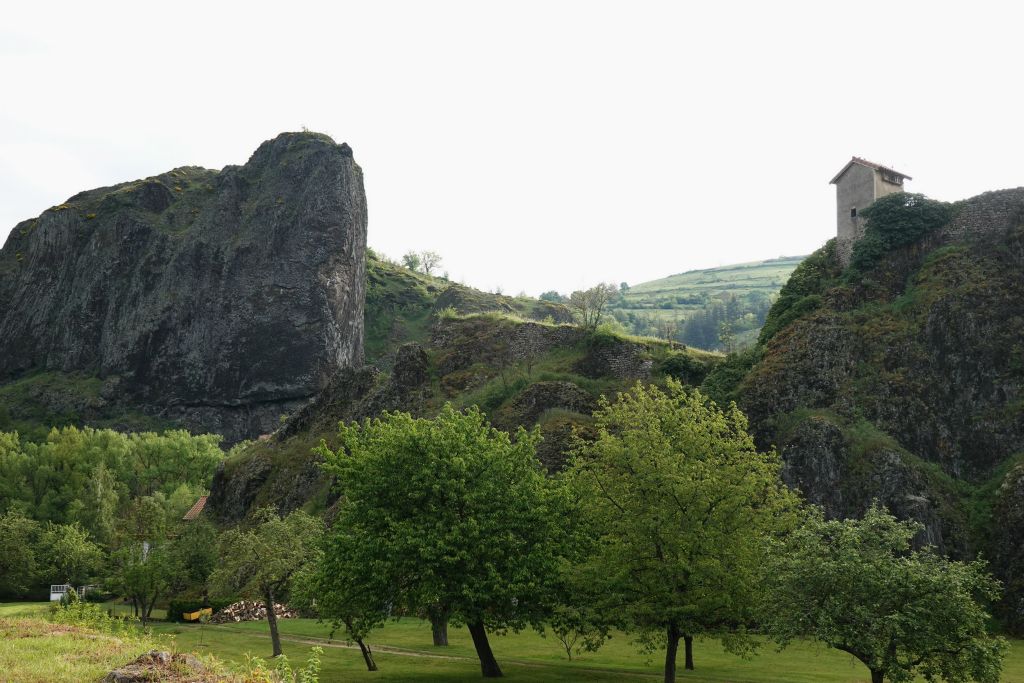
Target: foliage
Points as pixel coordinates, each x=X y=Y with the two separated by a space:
x=722 y=383
x=681 y=504
x=153 y=560
x=894 y=221
x=553 y=296
x=89 y=476
x=802 y=292
x=589 y=305
x=258 y=671
x=261 y=561
x=70 y=554
x=411 y=260
x=76 y=612
x=685 y=368
x=446 y=512
x=20 y=561
x=857 y=586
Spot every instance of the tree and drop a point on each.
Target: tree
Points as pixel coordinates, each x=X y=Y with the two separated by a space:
x=680 y=503
x=552 y=296
x=261 y=561
x=329 y=585
x=446 y=514
x=149 y=564
x=429 y=260
x=145 y=574
x=71 y=554
x=19 y=561
x=588 y=305
x=857 y=586
x=411 y=260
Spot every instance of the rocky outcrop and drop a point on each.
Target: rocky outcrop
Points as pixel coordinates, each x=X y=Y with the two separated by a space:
x=821 y=462
x=904 y=383
x=282 y=471
x=216 y=300
x=157 y=665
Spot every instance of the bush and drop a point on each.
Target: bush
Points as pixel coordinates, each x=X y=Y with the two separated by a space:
x=802 y=292
x=894 y=221
x=685 y=368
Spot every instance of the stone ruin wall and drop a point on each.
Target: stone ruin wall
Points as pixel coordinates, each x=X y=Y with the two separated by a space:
x=991 y=214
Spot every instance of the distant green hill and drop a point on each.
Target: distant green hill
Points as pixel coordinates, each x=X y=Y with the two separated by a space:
x=691 y=307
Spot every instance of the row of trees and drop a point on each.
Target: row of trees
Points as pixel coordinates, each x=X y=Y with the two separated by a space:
x=669 y=525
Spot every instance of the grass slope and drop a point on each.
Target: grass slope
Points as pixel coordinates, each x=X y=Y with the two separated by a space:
x=685 y=293
x=738 y=293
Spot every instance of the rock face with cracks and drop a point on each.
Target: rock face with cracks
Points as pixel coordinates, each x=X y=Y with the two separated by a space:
x=213 y=300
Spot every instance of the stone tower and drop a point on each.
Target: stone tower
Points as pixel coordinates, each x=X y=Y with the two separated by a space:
x=858 y=184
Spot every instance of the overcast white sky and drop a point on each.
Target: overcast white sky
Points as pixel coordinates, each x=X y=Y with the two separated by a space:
x=535 y=145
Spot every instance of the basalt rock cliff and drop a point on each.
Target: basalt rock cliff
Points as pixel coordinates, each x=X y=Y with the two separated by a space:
x=215 y=300
x=902 y=381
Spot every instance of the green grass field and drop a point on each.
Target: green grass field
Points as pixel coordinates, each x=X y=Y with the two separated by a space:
x=404 y=652
x=739 y=278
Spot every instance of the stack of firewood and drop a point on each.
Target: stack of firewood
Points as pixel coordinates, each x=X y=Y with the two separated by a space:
x=247 y=610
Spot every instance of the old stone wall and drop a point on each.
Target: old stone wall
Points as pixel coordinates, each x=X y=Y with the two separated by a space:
x=989 y=214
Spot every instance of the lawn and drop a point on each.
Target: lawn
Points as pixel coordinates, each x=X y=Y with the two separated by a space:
x=404 y=652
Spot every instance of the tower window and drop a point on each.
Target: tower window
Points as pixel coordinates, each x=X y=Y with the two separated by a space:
x=853 y=212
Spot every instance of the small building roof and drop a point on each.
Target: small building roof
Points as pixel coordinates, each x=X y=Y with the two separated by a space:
x=196 y=509
x=869 y=164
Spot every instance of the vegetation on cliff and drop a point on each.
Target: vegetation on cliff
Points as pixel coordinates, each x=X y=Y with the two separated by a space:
x=901 y=378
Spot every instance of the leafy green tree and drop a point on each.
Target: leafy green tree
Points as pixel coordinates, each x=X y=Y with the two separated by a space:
x=145 y=572
x=857 y=586
x=261 y=561
x=19 y=561
x=329 y=585
x=147 y=566
x=681 y=505
x=70 y=554
x=447 y=514
x=411 y=260
x=589 y=305
x=552 y=296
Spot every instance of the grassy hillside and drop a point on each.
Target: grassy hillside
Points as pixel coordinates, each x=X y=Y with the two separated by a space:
x=519 y=372
x=400 y=303
x=690 y=307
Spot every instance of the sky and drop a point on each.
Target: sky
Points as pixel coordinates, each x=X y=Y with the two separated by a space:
x=534 y=145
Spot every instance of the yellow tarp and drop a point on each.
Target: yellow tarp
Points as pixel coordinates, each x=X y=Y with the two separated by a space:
x=196 y=616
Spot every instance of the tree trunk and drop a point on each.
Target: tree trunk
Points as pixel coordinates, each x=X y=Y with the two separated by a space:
x=439 y=626
x=367 y=655
x=688 y=642
x=671 y=648
x=877 y=676
x=275 y=637
x=488 y=664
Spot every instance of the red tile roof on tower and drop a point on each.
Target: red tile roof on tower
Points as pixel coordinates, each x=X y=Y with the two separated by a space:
x=196 y=509
x=869 y=164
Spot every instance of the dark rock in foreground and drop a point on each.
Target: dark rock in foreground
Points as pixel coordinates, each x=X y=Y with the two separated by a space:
x=161 y=666
x=215 y=300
